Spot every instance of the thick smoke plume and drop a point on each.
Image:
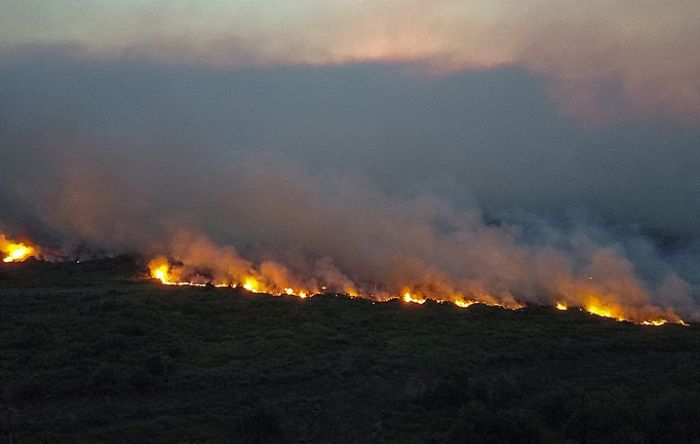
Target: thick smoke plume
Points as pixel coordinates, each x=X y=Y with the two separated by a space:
x=282 y=228
x=92 y=157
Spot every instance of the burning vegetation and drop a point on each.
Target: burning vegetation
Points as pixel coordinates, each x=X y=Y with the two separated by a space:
x=196 y=261
x=16 y=251
x=203 y=263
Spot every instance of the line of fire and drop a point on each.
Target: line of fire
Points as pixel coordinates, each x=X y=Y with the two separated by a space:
x=169 y=272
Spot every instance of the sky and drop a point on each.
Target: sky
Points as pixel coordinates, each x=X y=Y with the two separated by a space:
x=465 y=135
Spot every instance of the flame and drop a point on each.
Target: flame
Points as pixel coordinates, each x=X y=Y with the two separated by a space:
x=656 y=322
x=251 y=285
x=408 y=297
x=260 y=282
x=602 y=312
x=15 y=251
x=462 y=303
x=160 y=269
x=599 y=308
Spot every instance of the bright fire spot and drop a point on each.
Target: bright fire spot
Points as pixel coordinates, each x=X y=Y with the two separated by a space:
x=657 y=322
x=160 y=269
x=601 y=311
x=251 y=284
x=15 y=251
x=463 y=304
x=562 y=306
x=408 y=297
x=598 y=309
x=161 y=273
x=289 y=291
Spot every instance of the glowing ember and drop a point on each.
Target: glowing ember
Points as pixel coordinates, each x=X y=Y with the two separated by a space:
x=562 y=306
x=13 y=251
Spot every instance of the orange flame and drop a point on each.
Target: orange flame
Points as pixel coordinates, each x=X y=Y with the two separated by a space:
x=15 y=251
x=162 y=270
x=408 y=297
x=256 y=282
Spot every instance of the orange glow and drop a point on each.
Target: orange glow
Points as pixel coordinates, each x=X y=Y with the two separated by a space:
x=14 y=251
x=160 y=269
x=251 y=285
x=597 y=308
x=408 y=297
x=257 y=281
x=461 y=303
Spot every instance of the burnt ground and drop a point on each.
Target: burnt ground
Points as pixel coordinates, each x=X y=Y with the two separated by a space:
x=91 y=352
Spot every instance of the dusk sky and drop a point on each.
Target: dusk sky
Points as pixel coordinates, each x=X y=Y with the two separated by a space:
x=308 y=127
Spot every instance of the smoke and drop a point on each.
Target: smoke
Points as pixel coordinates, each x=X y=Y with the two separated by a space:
x=302 y=232
x=359 y=179
x=606 y=60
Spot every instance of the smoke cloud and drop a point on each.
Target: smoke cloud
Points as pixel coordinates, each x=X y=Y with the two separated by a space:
x=605 y=60
x=360 y=178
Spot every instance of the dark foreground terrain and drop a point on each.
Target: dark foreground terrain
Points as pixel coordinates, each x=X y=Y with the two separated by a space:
x=89 y=353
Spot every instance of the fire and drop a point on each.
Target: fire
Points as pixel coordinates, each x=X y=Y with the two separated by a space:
x=251 y=285
x=408 y=297
x=275 y=279
x=283 y=283
x=596 y=307
x=14 y=251
x=461 y=303
x=160 y=269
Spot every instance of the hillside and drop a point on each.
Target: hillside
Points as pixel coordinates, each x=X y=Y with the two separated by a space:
x=91 y=352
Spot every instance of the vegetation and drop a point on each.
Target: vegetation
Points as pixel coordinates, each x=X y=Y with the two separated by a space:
x=93 y=353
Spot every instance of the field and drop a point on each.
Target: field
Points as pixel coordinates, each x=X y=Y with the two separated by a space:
x=91 y=352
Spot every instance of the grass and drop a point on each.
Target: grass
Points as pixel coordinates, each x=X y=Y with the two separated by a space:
x=92 y=353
